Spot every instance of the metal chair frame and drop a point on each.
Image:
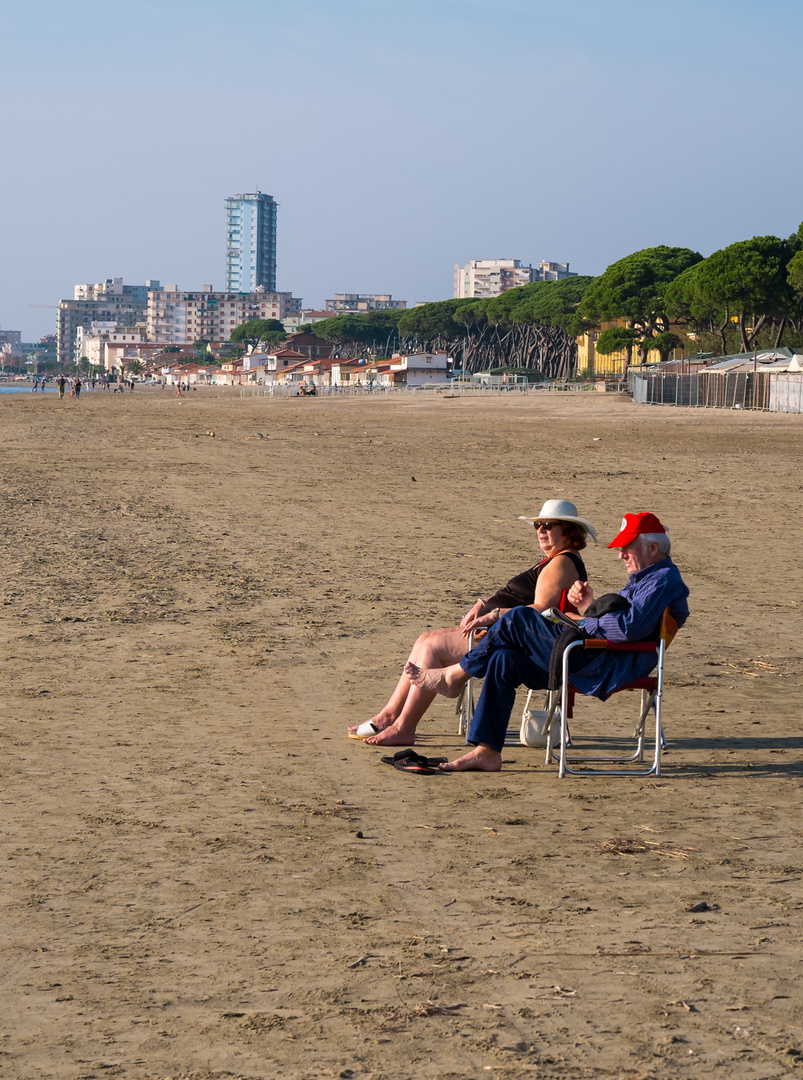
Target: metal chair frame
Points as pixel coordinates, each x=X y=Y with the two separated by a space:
x=651 y=688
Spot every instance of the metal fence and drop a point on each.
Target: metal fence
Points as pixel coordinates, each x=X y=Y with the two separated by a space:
x=453 y=388
x=763 y=390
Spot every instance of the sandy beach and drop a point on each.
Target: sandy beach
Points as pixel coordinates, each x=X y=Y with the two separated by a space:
x=203 y=878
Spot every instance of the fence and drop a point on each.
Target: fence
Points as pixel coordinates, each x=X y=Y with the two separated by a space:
x=453 y=388
x=763 y=390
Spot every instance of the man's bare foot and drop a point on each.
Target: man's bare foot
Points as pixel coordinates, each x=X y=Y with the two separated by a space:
x=396 y=734
x=383 y=719
x=448 y=681
x=481 y=759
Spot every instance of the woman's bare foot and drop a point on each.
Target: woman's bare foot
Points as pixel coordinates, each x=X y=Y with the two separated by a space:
x=383 y=719
x=397 y=734
x=481 y=758
x=448 y=681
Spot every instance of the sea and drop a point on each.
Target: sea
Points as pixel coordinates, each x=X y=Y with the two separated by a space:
x=12 y=389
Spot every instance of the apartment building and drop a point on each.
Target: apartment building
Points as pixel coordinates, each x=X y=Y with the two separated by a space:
x=102 y=343
x=109 y=301
x=250 y=243
x=176 y=317
x=483 y=278
x=353 y=303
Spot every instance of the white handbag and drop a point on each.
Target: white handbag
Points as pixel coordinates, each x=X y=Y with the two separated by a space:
x=533 y=726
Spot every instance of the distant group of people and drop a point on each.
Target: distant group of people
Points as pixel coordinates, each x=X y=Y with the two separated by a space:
x=76 y=385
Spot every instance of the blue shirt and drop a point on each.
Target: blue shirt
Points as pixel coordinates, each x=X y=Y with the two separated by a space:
x=649 y=591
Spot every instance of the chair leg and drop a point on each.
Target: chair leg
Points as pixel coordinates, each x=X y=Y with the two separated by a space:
x=465 y=708
x=649 y=700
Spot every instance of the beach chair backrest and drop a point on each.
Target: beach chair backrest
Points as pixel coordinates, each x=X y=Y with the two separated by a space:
x=669 y=627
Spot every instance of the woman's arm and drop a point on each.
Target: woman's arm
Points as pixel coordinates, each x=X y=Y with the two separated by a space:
x=558 y=575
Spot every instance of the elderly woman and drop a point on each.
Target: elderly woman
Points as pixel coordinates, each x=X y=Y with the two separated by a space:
x=561 y=534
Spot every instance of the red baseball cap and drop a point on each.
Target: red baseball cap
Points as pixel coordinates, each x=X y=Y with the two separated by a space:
x=632 y=525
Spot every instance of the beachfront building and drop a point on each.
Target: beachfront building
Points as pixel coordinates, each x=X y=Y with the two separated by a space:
x=101 y=340
x=354 y=303
x=176 y=317
x=10 y=348
x=250 y=243
x=109 y=302
x=482 y=278
x=417 y=369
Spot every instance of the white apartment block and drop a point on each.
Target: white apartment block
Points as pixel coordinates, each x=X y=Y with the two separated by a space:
x=483 y=278
x=101 y=343
x=176 y=317
x=356 y=302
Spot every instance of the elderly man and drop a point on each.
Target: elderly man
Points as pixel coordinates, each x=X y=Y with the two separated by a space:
x=517 y=648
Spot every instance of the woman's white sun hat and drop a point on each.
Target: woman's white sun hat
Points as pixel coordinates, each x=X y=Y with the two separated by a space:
x=562 y=510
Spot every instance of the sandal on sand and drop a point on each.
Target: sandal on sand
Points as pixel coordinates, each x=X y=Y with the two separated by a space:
x=365 y=731
x=411 y=761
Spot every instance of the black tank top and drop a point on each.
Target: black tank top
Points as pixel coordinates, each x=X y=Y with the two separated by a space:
x=521 y=589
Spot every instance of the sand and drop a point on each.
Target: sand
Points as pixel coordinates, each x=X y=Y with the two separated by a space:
x=204 y=878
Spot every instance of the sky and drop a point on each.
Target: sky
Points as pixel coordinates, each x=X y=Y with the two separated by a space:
x=398 y=138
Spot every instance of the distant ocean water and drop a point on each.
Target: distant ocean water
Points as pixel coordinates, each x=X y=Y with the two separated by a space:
x=12 y=389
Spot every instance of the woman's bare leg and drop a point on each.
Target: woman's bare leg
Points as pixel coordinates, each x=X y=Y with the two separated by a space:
x=447 y=680
x=400 y=717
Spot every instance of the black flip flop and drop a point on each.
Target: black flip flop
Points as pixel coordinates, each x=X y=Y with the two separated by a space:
x=411 y=761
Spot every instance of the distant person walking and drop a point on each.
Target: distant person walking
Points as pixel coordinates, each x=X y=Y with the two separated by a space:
x=77 y=389
x=61 y=383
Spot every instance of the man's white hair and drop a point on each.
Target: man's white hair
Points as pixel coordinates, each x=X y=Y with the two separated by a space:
x=661 y=539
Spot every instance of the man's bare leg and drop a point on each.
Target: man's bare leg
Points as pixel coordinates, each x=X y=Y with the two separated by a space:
x=447 y=681
x=481 y=759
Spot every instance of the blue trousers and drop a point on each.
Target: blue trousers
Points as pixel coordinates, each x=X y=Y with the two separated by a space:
x=515 y=651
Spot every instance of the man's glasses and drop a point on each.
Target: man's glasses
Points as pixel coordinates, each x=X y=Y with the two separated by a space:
x=547 y=524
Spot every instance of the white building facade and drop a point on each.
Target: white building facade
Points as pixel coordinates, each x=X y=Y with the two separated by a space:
x=176 y=318
x=483 y=278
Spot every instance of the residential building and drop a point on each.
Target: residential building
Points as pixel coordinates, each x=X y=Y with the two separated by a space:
x=176 y=317
x=100 y=339
x=109 y=301
x=10 y=337
x=553 y=271
x=310 y=345
x=417 y=369
x=309 y=316
x=10 y=348
x=482 y=278
x=354 y=303
x=250 y=243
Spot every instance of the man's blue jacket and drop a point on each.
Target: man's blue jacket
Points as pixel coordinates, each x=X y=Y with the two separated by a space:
x=649 y=592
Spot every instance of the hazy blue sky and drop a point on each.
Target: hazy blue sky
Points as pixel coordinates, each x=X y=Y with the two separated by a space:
x=397 y=137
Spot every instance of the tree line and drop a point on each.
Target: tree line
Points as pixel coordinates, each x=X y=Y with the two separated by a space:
x=750 y=293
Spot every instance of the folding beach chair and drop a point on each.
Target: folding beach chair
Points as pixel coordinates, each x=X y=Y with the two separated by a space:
x=465 y=702
x=651 y=686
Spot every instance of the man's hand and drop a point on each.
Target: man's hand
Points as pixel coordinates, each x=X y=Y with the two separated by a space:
x=581 y=595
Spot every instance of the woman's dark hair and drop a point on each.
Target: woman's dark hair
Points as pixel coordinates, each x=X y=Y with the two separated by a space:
x=574 y=535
